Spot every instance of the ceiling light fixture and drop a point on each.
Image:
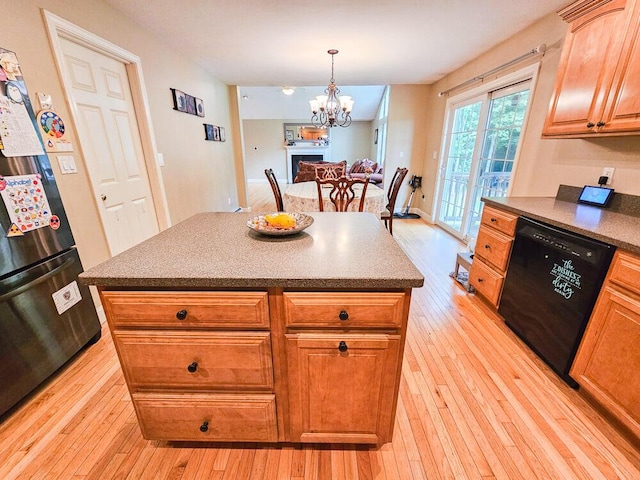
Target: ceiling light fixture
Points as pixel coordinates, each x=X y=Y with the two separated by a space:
x=288 y=90
x=330 y=109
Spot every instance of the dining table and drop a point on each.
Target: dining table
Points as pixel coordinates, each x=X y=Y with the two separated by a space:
x=303 y=197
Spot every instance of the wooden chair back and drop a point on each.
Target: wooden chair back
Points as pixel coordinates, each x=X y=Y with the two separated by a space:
x=392 y=195
x=273 y=181
x=342 y=192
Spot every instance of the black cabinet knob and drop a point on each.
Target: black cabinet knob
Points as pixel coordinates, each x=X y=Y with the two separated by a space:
x=181 y=314
x=193 y=367
x=343 y=315
x=204 y=427
x=343 y=347
x=591 y=125
x=494 y=220
x=487 y=246
x=600 y=124
x=480 y=280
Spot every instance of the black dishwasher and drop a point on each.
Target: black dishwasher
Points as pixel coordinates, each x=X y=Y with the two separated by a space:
x=550 y=288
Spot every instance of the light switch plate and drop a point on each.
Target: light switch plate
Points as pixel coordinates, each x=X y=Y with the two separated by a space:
x=67 y=164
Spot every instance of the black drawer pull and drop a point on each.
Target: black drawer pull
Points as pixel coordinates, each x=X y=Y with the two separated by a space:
x=600 y=124
x=480 y=280
x=181 y=315
x=494 y=220
x=343 y=315
x=193 y=367
x=591 y=125
x=343 y=347
x=204 y=427
x=487 y=246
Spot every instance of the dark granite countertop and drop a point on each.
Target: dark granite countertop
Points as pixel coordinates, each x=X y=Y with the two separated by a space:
x=621 y=230
x=217 y=250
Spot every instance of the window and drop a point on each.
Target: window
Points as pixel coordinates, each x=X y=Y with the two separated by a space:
x=480 y=149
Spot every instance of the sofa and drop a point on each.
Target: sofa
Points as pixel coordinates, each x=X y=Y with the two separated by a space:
x=361 y=168
x=307 y=171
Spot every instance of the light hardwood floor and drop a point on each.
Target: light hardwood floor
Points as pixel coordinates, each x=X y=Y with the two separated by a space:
x=474 y=403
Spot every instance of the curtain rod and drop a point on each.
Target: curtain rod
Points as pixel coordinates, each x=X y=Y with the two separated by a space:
x=539 y=49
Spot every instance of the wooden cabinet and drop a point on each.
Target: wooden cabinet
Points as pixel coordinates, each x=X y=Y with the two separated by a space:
x=344 y=360
x=491 y=256
x=597 y=89
x=198 y=364
x=341 y=386
x=294 y=366
x=607 y=365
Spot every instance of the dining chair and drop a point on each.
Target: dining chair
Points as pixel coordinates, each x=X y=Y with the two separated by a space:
x=392 y=194
x=342 y=193
x=273 y=181
x=331 y=170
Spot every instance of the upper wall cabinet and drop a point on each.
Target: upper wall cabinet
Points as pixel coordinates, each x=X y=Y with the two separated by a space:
x=597 y=89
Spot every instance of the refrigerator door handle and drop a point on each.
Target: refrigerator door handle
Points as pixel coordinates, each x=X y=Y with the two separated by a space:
x=23 y=288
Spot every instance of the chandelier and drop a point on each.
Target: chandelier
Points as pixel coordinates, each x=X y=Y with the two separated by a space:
x=330 y=109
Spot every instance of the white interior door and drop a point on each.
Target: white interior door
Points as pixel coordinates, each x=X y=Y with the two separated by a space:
x=109 y=134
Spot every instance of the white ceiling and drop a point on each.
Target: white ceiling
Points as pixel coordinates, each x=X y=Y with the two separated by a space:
x=276 y=42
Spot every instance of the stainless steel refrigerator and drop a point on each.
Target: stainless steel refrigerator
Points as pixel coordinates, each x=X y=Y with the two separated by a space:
x=46 y=315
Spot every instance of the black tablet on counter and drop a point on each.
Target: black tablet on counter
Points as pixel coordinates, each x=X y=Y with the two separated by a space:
x=598 y=196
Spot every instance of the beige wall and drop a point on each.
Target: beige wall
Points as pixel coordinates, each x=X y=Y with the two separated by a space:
x=198 y=175
x=543 y=164
x=406 y=137
x=265 y=148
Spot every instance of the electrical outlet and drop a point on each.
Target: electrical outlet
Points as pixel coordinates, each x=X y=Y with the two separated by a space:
x=608 y=172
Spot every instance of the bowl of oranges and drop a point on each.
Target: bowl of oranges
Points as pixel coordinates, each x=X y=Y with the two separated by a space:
x=280 y=223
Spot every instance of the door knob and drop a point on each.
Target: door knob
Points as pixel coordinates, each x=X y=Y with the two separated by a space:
x=103 y=197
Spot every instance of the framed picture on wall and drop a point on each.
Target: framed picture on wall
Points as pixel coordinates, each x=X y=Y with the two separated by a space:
x=199 y=107
x=179 y=100
x=208 y=131
x=191 y=104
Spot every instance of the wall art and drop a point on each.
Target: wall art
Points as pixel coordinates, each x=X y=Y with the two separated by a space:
x=183 y=102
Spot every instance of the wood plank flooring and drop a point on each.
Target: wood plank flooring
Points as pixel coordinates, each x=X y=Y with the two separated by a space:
x=474 y=404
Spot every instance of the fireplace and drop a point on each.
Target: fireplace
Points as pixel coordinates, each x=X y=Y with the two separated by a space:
x=297 y=154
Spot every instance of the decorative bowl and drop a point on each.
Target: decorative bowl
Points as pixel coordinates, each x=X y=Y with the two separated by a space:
x=259 y=224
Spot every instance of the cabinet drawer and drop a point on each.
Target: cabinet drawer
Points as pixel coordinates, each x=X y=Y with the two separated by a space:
x=493 y=247
x=502 y=221
x=207 y=417
x=196 y=360
x=346 y=310
x=625 y=271
x=486 y=281
x=186 y=309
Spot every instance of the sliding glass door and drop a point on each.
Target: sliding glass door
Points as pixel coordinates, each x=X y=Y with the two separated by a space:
x=480 y=149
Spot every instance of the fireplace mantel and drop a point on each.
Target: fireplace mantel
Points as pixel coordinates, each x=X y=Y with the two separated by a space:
x=324 y=150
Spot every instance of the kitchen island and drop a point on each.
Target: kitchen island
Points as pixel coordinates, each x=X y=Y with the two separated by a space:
x=225 y=334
